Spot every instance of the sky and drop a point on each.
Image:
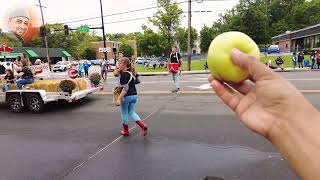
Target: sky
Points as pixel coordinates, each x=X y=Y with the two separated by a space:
x=65 y=11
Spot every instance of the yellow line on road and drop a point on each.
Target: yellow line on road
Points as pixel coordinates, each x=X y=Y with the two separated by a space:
x=162 y=92
x=188 y=92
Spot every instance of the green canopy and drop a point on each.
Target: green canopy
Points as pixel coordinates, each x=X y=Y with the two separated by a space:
x=11 y=55
x=32 y=54
x=65 y=54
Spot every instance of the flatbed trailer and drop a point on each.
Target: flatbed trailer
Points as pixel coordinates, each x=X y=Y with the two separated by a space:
x=35 y=100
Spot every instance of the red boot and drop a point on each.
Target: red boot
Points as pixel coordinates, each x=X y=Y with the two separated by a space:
x=125 y=131
x=143 y=127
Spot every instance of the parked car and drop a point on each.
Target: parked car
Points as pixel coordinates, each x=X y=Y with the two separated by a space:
x=140 y=61
x=273 y=49
x=61 y=66
x=95 y=62
x=82 y=61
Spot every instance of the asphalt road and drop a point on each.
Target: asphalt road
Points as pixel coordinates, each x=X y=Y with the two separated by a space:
x=191 y=136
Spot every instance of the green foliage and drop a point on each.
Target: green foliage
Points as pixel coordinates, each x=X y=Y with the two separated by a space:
x=264 y=19
x=95 y=78
x=151 y=43
x=126 y=50
x=88 y=53
x=167 y=19
x=67 y=86
x=206 y=36
x=182 y=38
x=76 y=43
x=8 y=40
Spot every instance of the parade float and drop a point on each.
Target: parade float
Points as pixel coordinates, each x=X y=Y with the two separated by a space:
x=45 y=89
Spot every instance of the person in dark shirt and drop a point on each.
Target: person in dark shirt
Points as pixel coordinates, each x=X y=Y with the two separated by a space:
x=300 y=59
x=9 y=78
x=175 y=57
x=279 y=62
x=26 y=75
x=128 y=97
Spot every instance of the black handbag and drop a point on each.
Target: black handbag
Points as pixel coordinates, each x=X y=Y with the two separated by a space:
x=137 y=80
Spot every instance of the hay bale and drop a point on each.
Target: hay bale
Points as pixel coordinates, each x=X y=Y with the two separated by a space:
x=81 y=84
x=50 y=85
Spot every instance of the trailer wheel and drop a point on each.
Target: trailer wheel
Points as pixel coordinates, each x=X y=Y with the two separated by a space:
x=15 y=103
x=35 y=103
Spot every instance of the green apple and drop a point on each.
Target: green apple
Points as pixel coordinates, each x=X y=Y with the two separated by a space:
x=219 y=56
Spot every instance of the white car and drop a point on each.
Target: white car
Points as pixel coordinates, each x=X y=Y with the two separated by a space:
x=61 y=66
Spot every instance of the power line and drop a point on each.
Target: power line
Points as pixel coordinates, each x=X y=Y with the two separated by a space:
x=128 y=20
x=120 y=13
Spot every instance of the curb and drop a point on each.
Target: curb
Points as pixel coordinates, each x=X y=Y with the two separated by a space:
x=167 y=74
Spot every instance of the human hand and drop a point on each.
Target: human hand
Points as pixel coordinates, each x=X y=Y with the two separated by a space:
x=264 y=103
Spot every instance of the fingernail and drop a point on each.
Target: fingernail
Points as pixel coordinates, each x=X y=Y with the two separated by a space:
x=214 y=83
x=235 y=51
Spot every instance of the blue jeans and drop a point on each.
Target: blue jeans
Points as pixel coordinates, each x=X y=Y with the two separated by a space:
x=127 y=108
x=294 y=64
x=22 y=82
x=5 y=88
x=175 y=77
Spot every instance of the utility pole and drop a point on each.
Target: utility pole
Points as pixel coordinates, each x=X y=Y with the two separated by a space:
x=104 y=35
x=265 y=28
x=45 y=34
x=189 y=35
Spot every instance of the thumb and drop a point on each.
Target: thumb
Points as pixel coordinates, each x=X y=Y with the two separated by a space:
x=256 y=69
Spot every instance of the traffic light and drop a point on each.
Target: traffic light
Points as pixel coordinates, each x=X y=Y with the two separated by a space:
x=42 y=31
x=66 y=29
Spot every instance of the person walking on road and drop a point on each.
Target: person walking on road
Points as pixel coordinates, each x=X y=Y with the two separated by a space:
x=86 y=67
x=300 y=59
x=318 y=58
x=104 y=69
x=313 y=59
x=294 y=60
x=174 y=67
x=128 y=97
x=80 y=70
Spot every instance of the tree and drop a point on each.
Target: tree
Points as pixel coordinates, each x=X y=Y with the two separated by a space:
x=151 y=43
x=167 y=19
x=76 y=43
x=126 y=50
x=206 y=37
x=182 y=38
x=88 y=53
x=10 y=41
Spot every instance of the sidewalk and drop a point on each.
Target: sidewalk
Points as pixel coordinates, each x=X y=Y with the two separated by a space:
x=167 y=73
x=208 y=72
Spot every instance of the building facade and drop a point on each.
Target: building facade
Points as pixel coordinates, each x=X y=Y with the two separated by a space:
x=303 y=39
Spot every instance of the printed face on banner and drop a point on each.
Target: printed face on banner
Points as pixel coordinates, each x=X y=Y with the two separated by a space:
x=21 y=22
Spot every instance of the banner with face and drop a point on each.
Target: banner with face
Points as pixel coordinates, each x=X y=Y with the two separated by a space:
x=21 y=22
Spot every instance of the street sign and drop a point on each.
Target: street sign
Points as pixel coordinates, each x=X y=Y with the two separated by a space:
x=83 y=29
x=103 y=50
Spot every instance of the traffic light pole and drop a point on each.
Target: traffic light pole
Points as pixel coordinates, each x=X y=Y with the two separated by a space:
x=189 y=35
x=104 y=35
x=45 y=35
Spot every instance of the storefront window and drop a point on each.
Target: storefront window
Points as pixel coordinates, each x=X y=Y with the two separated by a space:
x=317 y=41
x=307 y=43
